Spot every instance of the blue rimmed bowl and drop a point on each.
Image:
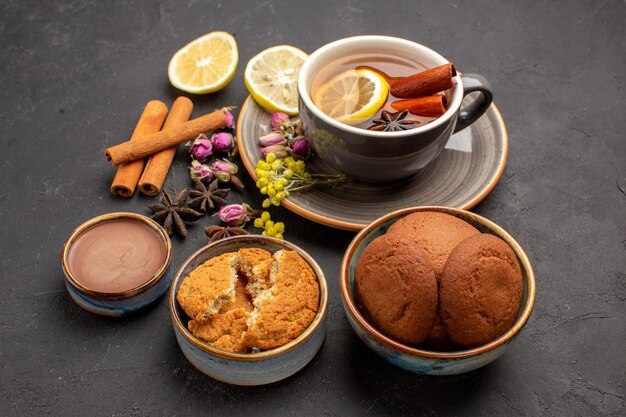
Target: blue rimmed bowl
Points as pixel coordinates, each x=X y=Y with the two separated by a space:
x=118 y=304
x=420 y=360
x=257 y=368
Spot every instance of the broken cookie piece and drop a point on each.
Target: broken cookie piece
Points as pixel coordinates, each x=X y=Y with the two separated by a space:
x=250 y=299
x=283 y=311
x=208 y=287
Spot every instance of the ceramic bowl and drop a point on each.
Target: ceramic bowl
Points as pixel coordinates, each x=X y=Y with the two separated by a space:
x=121 y=303
x=258 y=368
x=419 y=360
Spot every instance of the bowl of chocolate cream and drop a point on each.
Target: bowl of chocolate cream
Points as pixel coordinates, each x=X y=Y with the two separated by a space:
x=117 y=263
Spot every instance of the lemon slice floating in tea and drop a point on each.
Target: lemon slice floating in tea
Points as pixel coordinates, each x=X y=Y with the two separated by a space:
x=205 y=64
x=271 y=76
x=352 y=96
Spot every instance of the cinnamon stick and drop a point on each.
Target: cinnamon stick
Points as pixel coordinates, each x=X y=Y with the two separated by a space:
x=127 y=175
x=429 y=106
x=158 y=165
x=423 y=83
x=158 y=141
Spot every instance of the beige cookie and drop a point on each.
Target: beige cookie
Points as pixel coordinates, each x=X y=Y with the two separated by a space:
x=209 y=287
x=285 y=309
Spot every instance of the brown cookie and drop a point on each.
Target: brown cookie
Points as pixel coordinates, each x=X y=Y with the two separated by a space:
x=480 y=290
x=395 y=285
x=436 y=233
x=438 y=339
x=285 y=309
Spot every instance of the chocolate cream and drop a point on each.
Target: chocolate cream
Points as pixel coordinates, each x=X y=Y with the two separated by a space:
x=116 y=256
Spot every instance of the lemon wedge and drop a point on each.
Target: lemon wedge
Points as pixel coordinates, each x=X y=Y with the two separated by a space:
x=204 y=65
x=352 y=96
x=271 y=76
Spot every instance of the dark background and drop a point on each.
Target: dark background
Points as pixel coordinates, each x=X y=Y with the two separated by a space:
x=74 y=77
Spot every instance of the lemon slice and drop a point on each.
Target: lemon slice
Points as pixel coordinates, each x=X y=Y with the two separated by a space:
x=205 y=64
x=271 y=76
x=352 y=96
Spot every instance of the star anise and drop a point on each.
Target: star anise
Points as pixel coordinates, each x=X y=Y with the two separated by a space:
x=204 y=199
x=393 y=122
x=173 y=214
x=219 y=232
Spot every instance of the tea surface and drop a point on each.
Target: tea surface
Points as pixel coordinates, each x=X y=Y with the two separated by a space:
x=391 y=65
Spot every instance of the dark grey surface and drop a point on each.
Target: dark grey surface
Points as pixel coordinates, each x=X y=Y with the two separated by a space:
x=74 y=77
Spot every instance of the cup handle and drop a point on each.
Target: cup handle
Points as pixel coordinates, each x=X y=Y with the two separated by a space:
x=468 y=114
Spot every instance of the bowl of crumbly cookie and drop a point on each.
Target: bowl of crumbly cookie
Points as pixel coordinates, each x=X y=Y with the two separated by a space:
x=436 y=290
x=250 y=309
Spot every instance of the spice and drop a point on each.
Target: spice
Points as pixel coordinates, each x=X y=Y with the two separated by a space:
x=204 y=199
x=393 y=122
x=277 y=120
x=429 y=106
x=158 y=165
x=201 y=148
x=230 y=120
x=279 y=151
x=423 y=83
x=300 y=147
x=225 y=171
x=222 y=141
x=128 y=174
x=172 y=213
x=271 y=139
x=154 y=142
x=215 y=232
x=199 y=171
x=234 y=214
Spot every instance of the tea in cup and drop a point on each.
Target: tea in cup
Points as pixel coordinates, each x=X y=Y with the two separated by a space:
x=355 y=110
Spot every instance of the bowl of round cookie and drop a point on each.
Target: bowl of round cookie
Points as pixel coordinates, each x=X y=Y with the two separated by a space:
x=249 y=309
x=436 y=290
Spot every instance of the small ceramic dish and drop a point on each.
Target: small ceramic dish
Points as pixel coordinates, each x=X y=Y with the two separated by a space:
x=129 y=300
x=257 y=368
x=419 y=360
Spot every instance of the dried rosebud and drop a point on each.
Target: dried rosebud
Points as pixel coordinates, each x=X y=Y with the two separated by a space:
x=233 y=214
x=200 y=171
x=278 y=119
x=229 y=119
x=201 y=148
x=222 y=141
x=222 y=165
x=301 y=147
x=272 y=138
x=222 y=176
x=288 y=131
x=291 y=129
x=278 y=150
x=298 y=127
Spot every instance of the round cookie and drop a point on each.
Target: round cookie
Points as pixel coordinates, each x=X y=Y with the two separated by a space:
x=436 y=233
x=395 y=285
x=480 y=290
x=438 y=339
